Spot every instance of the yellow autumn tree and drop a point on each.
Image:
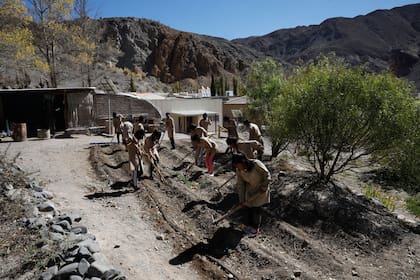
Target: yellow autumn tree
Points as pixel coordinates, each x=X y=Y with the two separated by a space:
x=16 y=41
x=62 y=43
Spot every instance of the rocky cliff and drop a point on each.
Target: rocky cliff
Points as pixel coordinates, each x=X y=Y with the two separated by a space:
x=173 y=55
x=383 y=39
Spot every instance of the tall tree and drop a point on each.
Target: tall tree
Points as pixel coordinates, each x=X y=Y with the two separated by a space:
x=235 y=85
x=17 y=50
x=213 y=90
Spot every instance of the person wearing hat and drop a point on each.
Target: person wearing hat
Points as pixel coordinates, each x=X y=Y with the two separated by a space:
x=170 y=128
x=205 y=122
x=252 y=185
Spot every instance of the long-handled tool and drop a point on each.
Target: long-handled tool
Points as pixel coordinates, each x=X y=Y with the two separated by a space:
x=218 y=195
x=234 y=210
x=152 y=162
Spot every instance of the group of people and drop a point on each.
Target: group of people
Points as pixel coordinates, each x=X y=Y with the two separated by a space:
x=142 y=150
x=251 y=174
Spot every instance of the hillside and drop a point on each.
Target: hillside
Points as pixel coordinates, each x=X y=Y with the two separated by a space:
x=382 y=39
x=173 y=55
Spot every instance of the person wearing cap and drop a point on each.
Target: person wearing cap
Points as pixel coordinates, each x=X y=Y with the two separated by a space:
x=135 y=153
x=254 y=132
x=252 y=185
x=210 y=148
x=117 y=122
x=251 y=148
x=205 y=122
x=170 y=128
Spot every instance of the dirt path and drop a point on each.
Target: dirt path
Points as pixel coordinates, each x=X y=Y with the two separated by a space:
x=120 y=225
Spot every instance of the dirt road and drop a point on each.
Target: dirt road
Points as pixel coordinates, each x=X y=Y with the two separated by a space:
x=120 y=225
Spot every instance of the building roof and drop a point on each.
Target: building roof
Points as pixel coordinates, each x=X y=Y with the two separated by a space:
x=188 y=113
x=48 y=90
x=239 y=100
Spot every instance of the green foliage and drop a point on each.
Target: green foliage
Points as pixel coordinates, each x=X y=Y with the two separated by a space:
x=413 y=204
x=389 y=201
x=235 y=86
x=133 y=87
x=263 y=85
x=213 y=87
x=339 y=113
x=405 y=158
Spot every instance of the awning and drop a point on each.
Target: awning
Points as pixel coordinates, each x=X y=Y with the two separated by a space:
x=193 y=113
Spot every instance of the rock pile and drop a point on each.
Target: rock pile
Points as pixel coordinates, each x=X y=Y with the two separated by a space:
x=78 y=255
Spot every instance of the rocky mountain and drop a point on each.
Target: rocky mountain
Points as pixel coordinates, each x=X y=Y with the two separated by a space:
x=382 y=39
x=173 y=55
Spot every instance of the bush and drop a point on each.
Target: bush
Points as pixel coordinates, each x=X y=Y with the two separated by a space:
x=340 y=113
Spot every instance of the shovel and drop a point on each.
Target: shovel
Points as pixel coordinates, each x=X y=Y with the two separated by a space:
x=218 y=195
x=233 y=210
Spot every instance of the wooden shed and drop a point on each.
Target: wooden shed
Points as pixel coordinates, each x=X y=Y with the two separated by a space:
x=47 y=108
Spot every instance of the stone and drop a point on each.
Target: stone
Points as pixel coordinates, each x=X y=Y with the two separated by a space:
x=39 y=196
x=67 y=270
x=56 y=236
x=34 y=186
x=354 y=273
x=75 y=277
x=57 y=228
x=13 y=194
x=83 y=266
x=110 y=274
x=46 y=207
x=31 y=211
x=46 y=276
x=37 y=223
x=97 y=269
x=64 y=224
x=53 y=269
x=99 y=257
x=79 y=229
x=84 y=253
x=92 y=245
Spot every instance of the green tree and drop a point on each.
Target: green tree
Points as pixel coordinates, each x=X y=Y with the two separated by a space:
x=221 y=86
x=133 y=87
x=226 y=84
x=263 y=84
x=340 y=114
x=235 y=86
x=213 y=90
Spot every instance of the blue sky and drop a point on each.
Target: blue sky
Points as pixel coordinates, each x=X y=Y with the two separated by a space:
x=238 y=18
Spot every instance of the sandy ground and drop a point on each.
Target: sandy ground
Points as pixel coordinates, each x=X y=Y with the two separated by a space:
x=125 y=237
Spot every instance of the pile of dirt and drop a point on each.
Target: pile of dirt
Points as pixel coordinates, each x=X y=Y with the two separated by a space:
x=309 y=231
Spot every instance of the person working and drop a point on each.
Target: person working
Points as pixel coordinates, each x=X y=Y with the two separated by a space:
x=252 y=148
x=252 y=185
x=205 y=122
x=117 y=122
x=210 y=148
x=170 y=128
x=135 y=153
x=254 y=132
